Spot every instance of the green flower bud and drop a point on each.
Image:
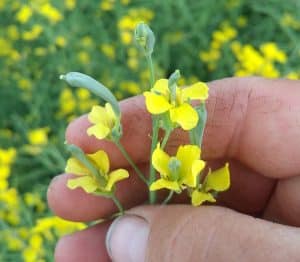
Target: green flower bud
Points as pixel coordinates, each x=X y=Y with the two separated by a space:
x=144 y=38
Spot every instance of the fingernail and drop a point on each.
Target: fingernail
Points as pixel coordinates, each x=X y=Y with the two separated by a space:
x=127 y=239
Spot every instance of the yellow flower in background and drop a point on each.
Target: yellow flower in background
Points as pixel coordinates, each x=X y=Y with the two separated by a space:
x=38 y=136
x=103 y=120
x=87 y=181
x=7 y=156
x=70 y=4
x=13 y=32
x=177 y=172
x=271 y=52
x=108 y=50
x=33 y=34
x=50 y=12
x=159 y=100
x=107 y=5
x=60 y=41
x=24 y=14
x=218 y=180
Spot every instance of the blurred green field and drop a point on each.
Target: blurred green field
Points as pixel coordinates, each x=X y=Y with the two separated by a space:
x=41 y=39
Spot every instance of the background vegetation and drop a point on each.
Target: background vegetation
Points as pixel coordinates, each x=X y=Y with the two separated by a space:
x=41 y=39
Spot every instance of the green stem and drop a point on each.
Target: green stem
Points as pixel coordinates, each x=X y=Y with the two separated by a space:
x=128 y=158
x=118 y=204
x=166 y=138
x=155 y=127
x=151 y=68
x=168 y=198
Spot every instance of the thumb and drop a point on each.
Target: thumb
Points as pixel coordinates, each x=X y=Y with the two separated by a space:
x=184 y=233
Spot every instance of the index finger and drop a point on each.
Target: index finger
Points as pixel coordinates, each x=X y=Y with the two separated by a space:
x=253 y=120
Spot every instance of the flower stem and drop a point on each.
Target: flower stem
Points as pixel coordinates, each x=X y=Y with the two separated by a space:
x=166 y=138
x=151 y=68
x=168 y=198
x=118 y=204
x=155 y=127
x=128 y=158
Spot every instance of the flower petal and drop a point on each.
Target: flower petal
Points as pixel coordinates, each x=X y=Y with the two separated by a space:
x=156 y=104
x=218 y=180
x=187 y=154
x=98 y=115
x=101 y=160
x=87 y=183
x=163 y=183
x=114 y=177
x=199 y=197
x=190 y=178
x=196 y=91
x=110 y=113
x=161 y=86
x=99 y=130
x=75 y=167
x=185 y=115
x=160 y=161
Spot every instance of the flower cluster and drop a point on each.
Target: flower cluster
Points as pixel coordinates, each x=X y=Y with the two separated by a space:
x=171 y=107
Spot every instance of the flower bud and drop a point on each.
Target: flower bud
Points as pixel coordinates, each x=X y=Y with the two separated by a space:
x=144 y=38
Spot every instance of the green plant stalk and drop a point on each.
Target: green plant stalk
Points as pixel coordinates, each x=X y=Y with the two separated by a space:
x=168 y=198
x=118 y=204
x=128 y=158
x=155 y=128
x=166 y=138
x=151 y=68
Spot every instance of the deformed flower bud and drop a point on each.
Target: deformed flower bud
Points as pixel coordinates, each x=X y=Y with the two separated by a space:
x=144 y=38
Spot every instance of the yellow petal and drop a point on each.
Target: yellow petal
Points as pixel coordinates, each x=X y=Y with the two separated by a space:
x=160 y=161
x=199 y=197
x=101 y=160
x=190 y=178
x=162 y=183
x=187 y=154
x=99 y=130
x=116 y=176
x=218 y=180
x=75 y=167
x=196 y=91
x=110 y=113
x=156 y=104
x=161 y=86
x=87 y=183
x=98 y=115
x=184 y=115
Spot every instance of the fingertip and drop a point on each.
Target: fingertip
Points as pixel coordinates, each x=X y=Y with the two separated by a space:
x=75 y=204
x=85 y=245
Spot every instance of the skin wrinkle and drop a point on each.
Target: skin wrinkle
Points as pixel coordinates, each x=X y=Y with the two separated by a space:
x=210 y=239
x=173 y=239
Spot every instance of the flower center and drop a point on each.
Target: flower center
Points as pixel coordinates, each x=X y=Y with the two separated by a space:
x=174 y=167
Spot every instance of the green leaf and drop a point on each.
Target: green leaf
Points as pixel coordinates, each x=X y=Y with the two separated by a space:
x=196 y=134
x=77 y=79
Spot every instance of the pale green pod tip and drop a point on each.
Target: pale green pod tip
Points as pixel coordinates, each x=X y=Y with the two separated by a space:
x=77 y=79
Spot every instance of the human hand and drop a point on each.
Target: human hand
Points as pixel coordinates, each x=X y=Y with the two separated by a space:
x=254 y=124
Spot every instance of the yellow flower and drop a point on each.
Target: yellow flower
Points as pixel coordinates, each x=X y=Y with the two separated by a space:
x=159 y=100
x=50 y=12
x=87 y=181
x=177 y=172
x=218 y=180
x=38 y=136
x=103 y=120
x=24 y=14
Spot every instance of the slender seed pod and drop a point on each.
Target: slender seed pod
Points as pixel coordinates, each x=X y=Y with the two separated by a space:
x=77 y=79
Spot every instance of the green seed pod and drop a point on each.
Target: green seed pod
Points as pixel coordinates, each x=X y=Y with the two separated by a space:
x=76 y=79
